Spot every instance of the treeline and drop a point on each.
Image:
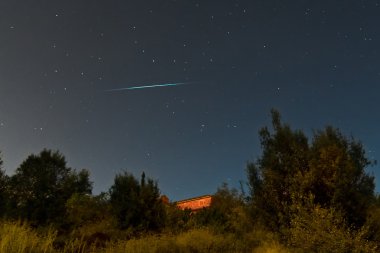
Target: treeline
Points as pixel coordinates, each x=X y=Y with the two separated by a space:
x=44 y=191
x=304 y=195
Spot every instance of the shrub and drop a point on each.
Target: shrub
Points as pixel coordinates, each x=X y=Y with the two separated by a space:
x=325 y=230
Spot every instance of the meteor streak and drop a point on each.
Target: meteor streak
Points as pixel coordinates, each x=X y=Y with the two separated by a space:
x=148 y=86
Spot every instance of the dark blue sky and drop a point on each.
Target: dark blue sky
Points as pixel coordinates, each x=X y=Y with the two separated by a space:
x=317 y=62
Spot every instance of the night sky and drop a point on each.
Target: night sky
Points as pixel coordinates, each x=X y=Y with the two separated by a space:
x=317 y=62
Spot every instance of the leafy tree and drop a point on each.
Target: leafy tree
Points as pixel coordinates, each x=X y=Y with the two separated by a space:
x=151 y=205
x=124 y=200
x=331 y=169
x=42 y=185
x=272 y=178
x=337 y=176
x=136 y=205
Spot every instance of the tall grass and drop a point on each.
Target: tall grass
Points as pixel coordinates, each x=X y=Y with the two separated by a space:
x=196 y=241
x=200 y=240
x=20 y=238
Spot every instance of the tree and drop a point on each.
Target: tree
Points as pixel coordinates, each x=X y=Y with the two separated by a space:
x=272 y=178
x=42 y=185
x=337 y=176
x=136 y=205
x=331 y=169
x=151 y=205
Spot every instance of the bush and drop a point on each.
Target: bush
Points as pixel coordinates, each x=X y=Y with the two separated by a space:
x=325 y=230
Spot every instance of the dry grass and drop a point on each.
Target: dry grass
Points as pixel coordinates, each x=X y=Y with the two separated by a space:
x=197 y=240
x=20 y=238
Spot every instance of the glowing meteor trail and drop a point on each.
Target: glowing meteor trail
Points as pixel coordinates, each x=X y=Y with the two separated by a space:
x=148 y=86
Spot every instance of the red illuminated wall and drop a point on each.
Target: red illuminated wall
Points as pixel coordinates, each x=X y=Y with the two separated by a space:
x=195 y=203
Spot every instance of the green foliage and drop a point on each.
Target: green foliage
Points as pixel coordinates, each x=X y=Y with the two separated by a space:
x=137 y=205
x=151 y=206
x=84 y=210
x=317 y=229
x=42 y=185
x=177 y=220
x=227 y=212
x=272 y=177
x=124 y=194
x=337 y=175
x=373 y=224
x=331 y=168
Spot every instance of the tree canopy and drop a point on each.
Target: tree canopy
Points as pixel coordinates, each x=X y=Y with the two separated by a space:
x=42 y=185
x=329 y=169
x=137 y=205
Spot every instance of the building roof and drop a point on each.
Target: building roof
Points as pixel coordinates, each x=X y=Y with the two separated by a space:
x=193 y=199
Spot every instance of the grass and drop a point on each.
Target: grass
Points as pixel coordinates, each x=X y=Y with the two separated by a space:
x=20 y=238
x=194 y=241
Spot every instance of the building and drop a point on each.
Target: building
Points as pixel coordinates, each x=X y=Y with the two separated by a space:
x=195 y=204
